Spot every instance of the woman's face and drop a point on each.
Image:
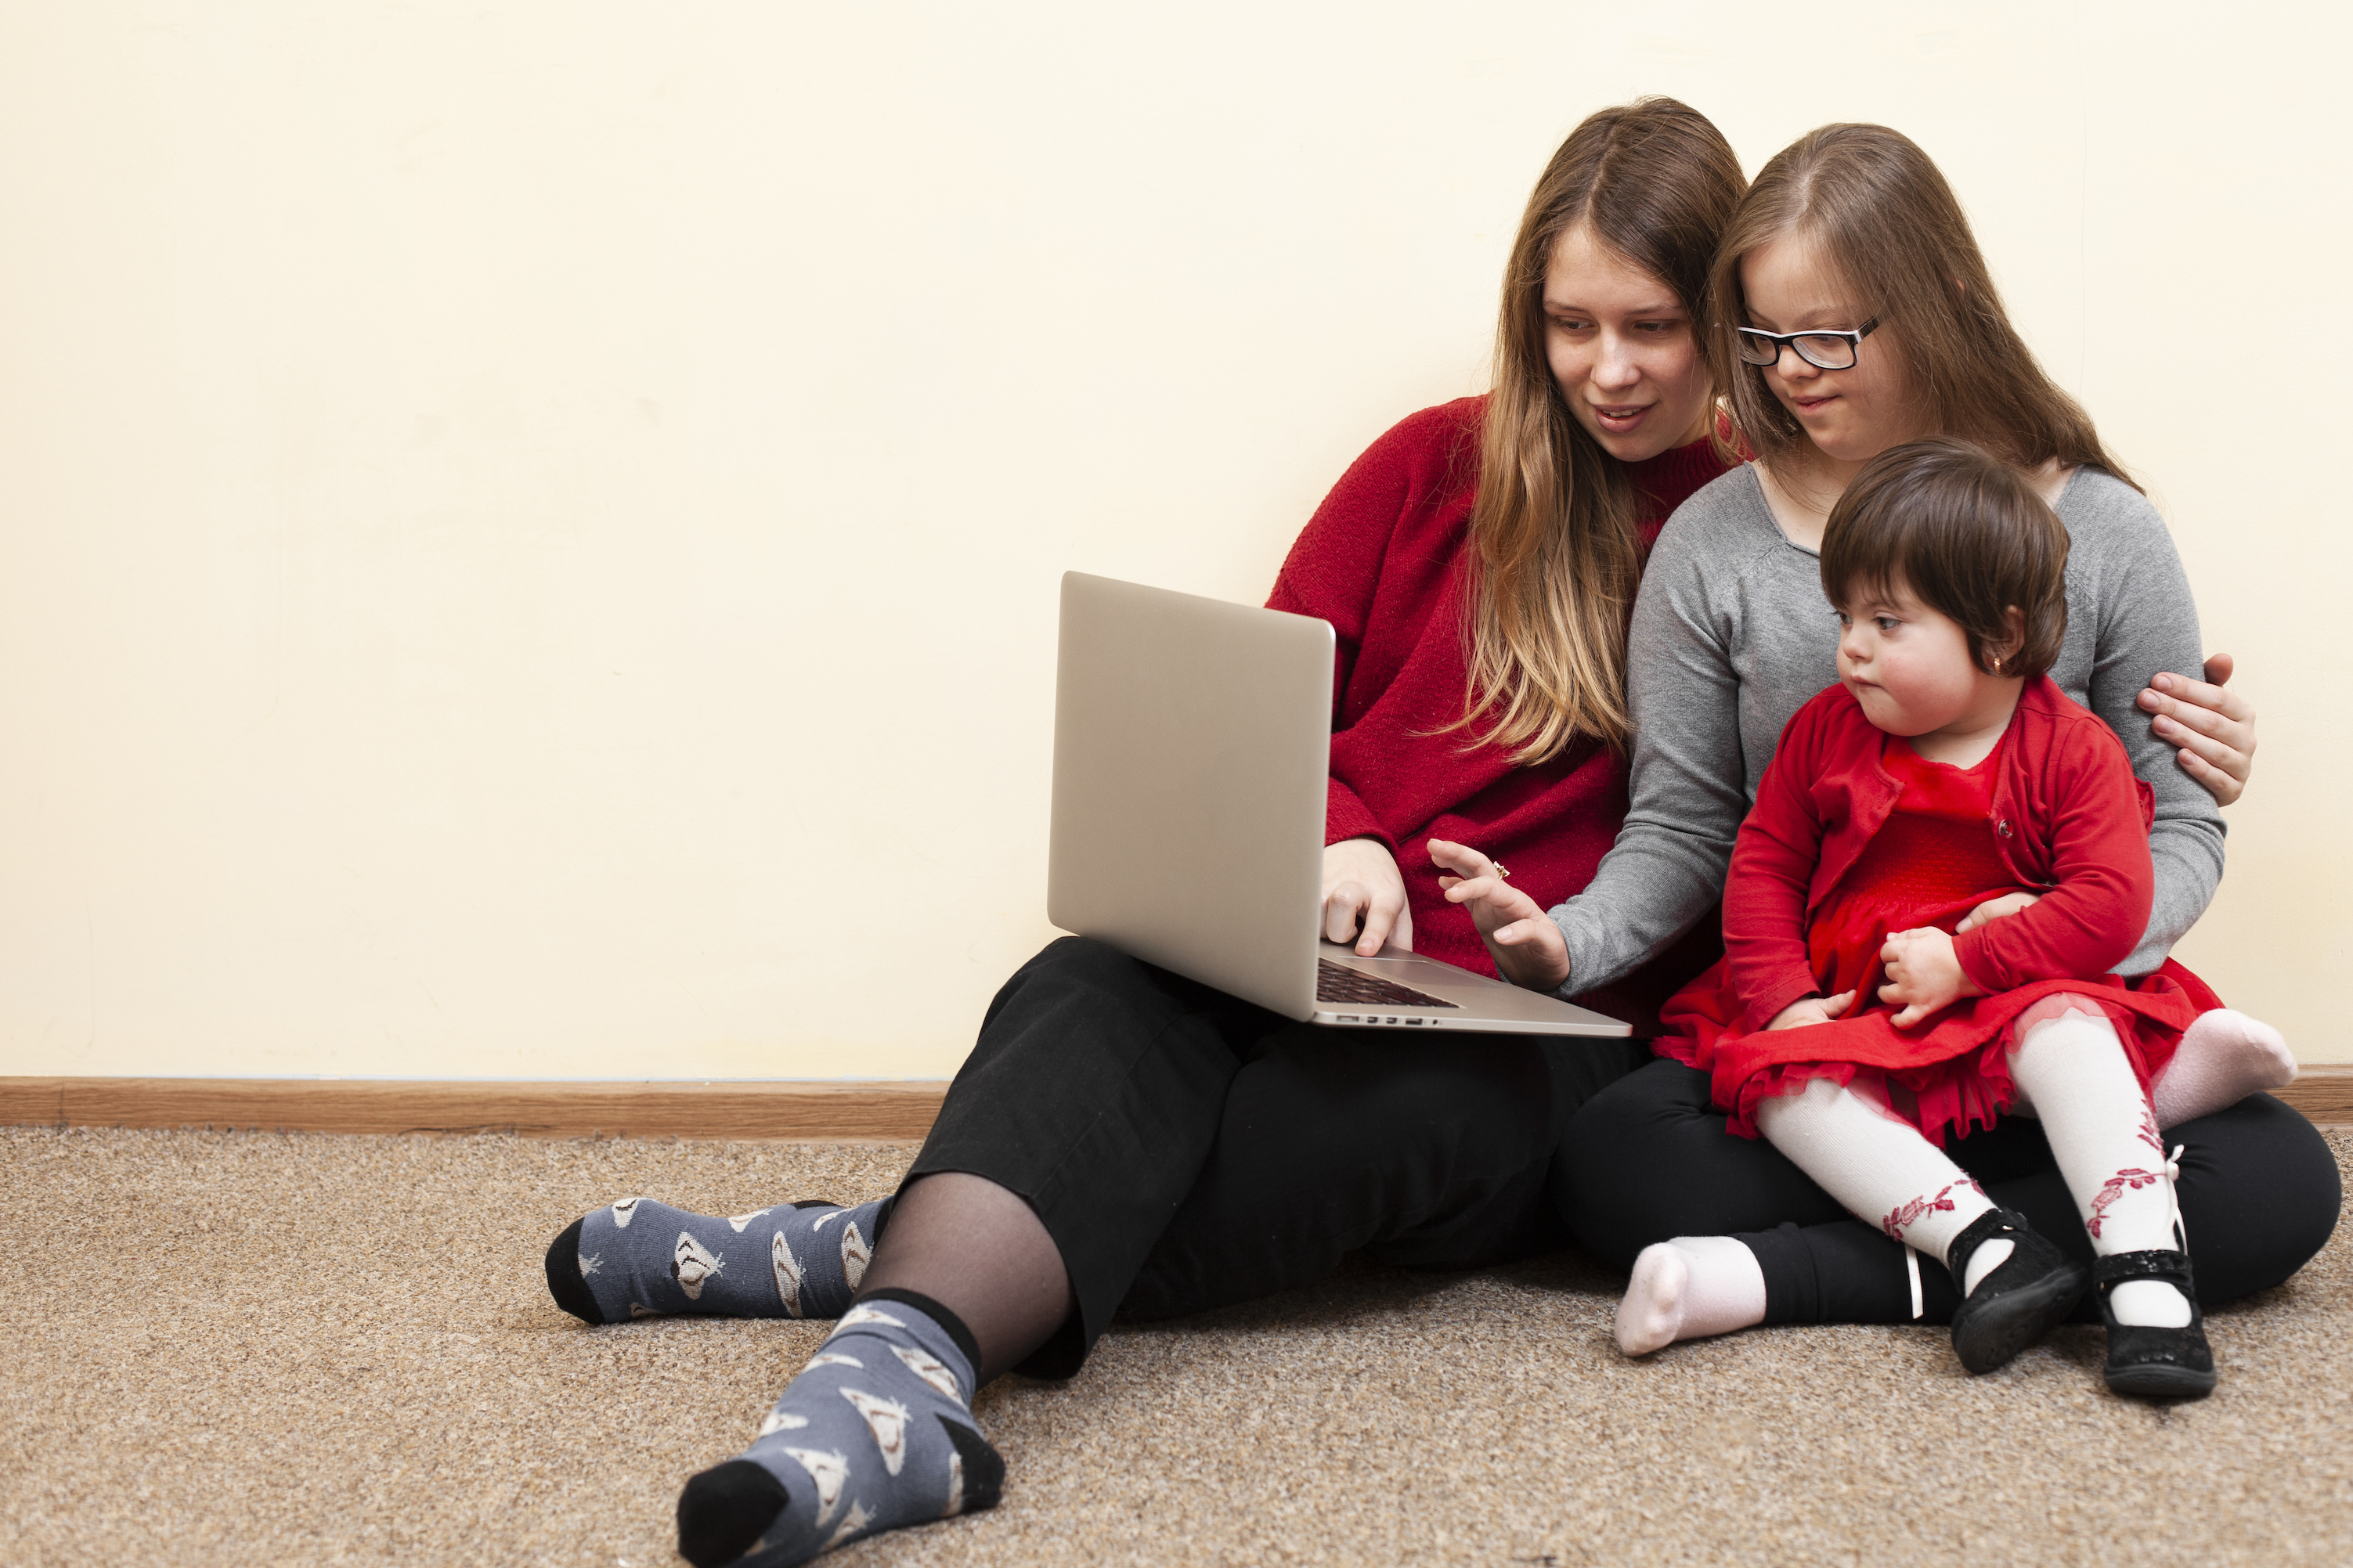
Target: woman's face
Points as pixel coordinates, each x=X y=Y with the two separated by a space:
x=1622 y=350
x=1852 y=415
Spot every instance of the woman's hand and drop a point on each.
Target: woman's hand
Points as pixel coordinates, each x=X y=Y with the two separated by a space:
x=2215 y=730
x=1527 y=948
x=1809 y=1010
x=1995 y=909
x=1923 y=974
x=1363 y=888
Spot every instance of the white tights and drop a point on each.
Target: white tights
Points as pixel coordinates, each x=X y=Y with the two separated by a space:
x=2071 y=1070
x=2073 y=1073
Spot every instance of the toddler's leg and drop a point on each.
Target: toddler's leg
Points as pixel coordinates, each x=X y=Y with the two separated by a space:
x=1688 y=1288
x=2014 y=1284
x=2105 y=1137
x=2225 y=1057
x=640 y=1259
x=2107 y=1147
x=1881 y=1169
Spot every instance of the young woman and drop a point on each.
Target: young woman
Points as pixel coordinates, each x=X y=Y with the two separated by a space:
x=1853 y=311
x=1121 y=1135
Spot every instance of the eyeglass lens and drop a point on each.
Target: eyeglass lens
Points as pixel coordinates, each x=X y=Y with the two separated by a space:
x=1821 y=349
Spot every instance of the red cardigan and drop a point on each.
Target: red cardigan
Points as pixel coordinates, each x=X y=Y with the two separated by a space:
x=1381 y=560
x=2070 y=820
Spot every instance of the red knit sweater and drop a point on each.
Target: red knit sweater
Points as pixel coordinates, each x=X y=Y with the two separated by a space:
x=1381 y=560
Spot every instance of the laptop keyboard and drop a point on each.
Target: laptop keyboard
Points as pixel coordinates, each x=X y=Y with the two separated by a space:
x=1338 y=983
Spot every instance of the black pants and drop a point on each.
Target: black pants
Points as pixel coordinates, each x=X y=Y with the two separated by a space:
x=1185 y=1150
x=1648 y=1158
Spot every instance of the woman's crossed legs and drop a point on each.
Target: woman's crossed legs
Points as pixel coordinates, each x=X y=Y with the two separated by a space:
x=1120 y=1136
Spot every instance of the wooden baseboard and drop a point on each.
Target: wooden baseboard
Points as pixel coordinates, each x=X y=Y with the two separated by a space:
x=749 y=1110
x=2323 y=1093
x=741 y=1109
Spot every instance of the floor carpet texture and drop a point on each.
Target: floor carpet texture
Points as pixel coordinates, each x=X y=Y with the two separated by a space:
x=258 y=1348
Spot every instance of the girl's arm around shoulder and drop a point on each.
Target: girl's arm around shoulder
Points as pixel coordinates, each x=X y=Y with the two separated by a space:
x=2143 y=622
x=2099 y=865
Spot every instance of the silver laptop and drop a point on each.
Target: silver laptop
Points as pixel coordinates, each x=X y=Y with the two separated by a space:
x=1191 y=746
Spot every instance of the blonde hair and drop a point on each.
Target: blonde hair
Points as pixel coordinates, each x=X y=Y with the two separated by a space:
x=1553 y=559
x=1890 y=230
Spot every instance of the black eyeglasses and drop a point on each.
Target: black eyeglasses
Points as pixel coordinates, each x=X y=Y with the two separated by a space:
x=1823 y=351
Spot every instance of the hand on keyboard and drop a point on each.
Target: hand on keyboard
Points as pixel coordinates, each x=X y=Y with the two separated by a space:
x=1363 y=896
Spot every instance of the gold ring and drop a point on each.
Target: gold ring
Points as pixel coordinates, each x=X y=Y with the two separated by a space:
x=1499 y=873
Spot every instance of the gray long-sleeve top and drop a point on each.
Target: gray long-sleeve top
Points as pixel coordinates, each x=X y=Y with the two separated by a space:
x=1731 y=636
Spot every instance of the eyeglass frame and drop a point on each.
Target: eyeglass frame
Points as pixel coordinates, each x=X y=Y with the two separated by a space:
x=1789 y=340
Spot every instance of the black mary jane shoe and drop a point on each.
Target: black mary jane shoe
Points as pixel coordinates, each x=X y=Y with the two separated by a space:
x=2150 y=1363
x=2030 y=1291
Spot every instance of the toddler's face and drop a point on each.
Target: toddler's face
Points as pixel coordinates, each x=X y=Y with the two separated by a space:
x=1909 y=666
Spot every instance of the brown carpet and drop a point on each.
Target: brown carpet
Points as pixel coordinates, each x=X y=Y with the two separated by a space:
x=227 y=1348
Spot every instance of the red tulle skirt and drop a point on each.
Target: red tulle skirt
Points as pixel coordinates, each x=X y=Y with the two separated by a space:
x=1948 y=1074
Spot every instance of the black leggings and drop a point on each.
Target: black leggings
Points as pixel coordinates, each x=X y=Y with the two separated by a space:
x=1185 y=1150
x=1648 y=1158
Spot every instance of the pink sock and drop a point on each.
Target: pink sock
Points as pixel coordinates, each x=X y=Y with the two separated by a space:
x=1688 y=1288
x=2225 y=1057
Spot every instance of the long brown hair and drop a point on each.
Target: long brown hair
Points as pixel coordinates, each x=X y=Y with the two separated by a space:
x=1554 y=558
x=1887 y=225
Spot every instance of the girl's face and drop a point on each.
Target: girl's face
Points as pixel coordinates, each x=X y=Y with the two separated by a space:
x=1909 y=667
x=1622 y=350
x=1852 y=415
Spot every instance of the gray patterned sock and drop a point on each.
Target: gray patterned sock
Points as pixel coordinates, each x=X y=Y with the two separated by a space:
x=640 y=1259
x=874 y=1434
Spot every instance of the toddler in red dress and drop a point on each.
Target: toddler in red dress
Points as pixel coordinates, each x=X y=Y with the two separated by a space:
x=1945 y=862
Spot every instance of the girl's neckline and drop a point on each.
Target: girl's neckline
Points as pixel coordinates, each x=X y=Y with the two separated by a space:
x=1901 y=747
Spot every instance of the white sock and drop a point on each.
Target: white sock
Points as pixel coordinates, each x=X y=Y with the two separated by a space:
x=2106 y=1142
x=1882 y=1169
x=2225 y=1057
x=1688 y=1288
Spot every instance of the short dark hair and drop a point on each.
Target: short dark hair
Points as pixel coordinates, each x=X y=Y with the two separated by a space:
x=1967 y=534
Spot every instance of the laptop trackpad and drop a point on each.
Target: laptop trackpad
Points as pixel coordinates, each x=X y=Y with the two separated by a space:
x=1403 y=963
x=1406 y=967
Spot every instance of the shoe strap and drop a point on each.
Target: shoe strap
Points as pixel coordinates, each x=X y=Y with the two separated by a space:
x=2164 y=1263
x=2173 y=1191
x=1994 y=1225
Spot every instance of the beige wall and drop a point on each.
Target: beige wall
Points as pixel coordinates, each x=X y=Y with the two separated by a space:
x=528 y=533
